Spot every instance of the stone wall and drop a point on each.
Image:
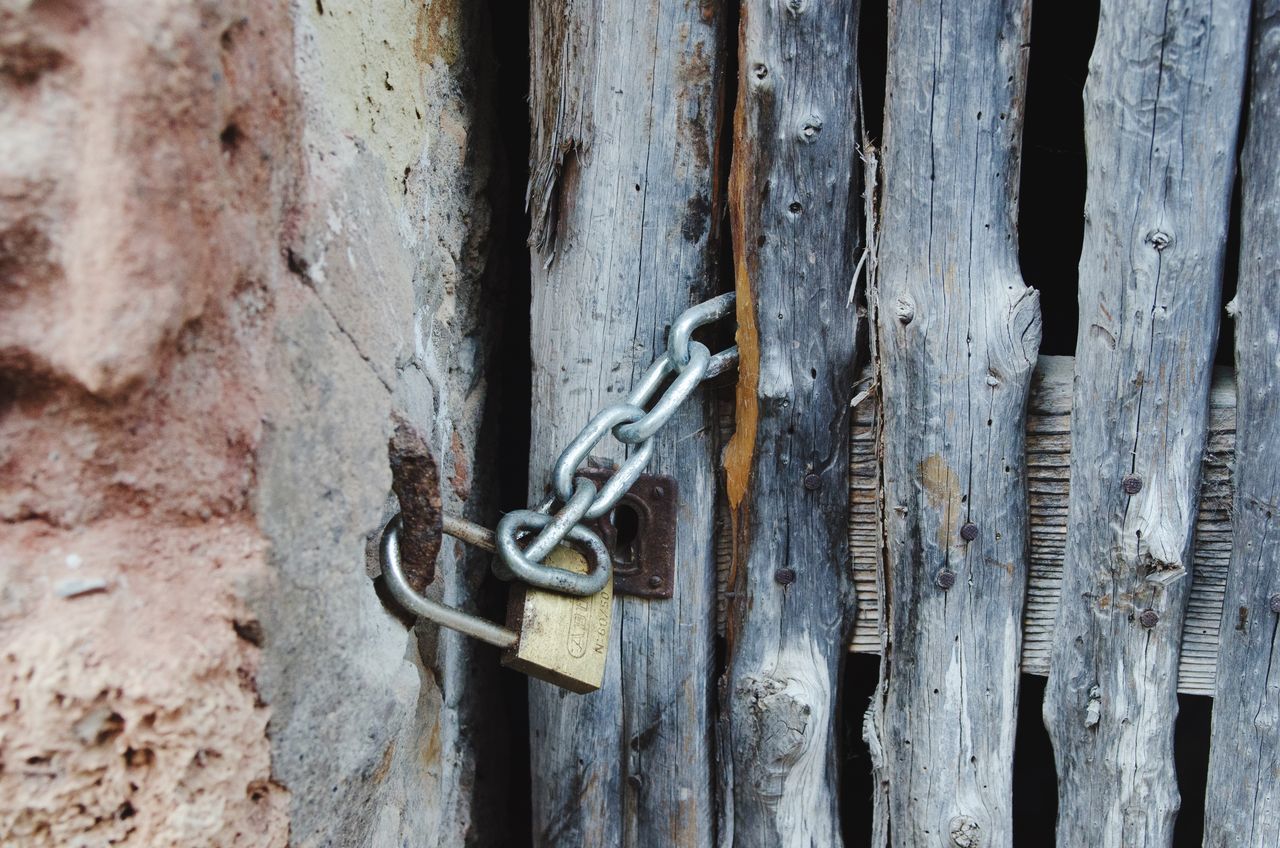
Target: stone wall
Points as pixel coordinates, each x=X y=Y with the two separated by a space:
x=236 y=238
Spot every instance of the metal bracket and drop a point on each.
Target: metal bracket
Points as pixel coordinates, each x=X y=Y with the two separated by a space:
x=643 y=549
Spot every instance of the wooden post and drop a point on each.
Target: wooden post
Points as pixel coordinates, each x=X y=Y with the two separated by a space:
x=626 y=108
x=1161 y=111
x=794 y=207
x=958 y=334
x=1049 y=485
x=1244 y=761
x=1048 y=455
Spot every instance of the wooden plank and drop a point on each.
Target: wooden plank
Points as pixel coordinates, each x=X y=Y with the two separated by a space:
x=1156 y=214
x=626 y=110
x=1048 y=462
x=958 y=334
x=794 y=208
x=1242 y=799
x=864 y=525
x=1049 y=481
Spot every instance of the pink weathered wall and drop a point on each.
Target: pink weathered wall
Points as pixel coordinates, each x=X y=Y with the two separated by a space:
x=235 y=239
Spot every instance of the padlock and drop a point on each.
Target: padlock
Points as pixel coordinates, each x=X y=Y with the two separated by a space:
x=562 y=639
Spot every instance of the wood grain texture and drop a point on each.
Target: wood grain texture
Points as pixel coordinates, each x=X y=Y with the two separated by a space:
x=958 y=335
x=795 y=212
x=1161 y=110
x=1242 y=801
x=634 y=245
x=1049 y=484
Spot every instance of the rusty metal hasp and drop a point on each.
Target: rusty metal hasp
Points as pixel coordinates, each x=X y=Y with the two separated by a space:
x=559 y=612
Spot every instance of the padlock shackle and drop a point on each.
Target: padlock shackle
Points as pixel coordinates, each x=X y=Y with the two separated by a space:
x=445 y=616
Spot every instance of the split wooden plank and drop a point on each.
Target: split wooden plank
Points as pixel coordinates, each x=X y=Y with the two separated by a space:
x=1242 y=800
x=626 y=107
x=1156 y=214
x=794 y=208
x=1049 y=482
x=958 y=334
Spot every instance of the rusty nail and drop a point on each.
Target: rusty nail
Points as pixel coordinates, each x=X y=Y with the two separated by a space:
x=812 y=482
x=655 y=581
x=1148 y=618
x=1274 y=603
x=1132 y=484
x=946 y=578
x=969 y=531
x=785 y=576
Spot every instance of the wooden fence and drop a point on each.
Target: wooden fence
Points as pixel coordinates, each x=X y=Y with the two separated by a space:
x=965 y=508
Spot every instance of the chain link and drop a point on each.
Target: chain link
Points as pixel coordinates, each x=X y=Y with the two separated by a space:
x=633 y=422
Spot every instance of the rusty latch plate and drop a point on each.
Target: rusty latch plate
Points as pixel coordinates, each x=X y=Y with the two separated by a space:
x=641 y=535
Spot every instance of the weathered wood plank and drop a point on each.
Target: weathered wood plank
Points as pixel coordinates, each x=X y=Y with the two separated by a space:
x=624 y=172
x=794 y=208
x=1242 y=800
x=1161 y=111
x=1049 y=481
x=958 y=334
x=1048 y=469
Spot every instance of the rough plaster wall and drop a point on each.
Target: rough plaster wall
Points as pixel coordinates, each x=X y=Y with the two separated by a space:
x=234 y=238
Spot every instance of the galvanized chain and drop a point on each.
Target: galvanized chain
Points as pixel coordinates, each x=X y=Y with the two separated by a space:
x=635 y=421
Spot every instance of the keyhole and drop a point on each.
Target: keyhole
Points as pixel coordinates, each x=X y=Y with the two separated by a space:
x=626 y=521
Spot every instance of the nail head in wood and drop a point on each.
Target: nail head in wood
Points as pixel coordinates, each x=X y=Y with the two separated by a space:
x=1148 y=618
x=946 y=578
x=1132 y=484
x=1274 y=603
x=812 y=482
x=784 y=576
x=969 y=531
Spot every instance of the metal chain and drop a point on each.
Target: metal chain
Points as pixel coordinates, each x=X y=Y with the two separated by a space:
x=634 y=422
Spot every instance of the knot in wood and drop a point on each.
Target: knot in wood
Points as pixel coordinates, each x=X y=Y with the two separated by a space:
x=1148 y=618
x=1132 y=484
x=1159 y=239
x=965 y=832
x=1093 y=709
x=812 y=126
x=904 y=308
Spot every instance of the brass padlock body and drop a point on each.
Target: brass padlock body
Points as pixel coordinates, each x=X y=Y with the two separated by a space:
x=564 y=639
